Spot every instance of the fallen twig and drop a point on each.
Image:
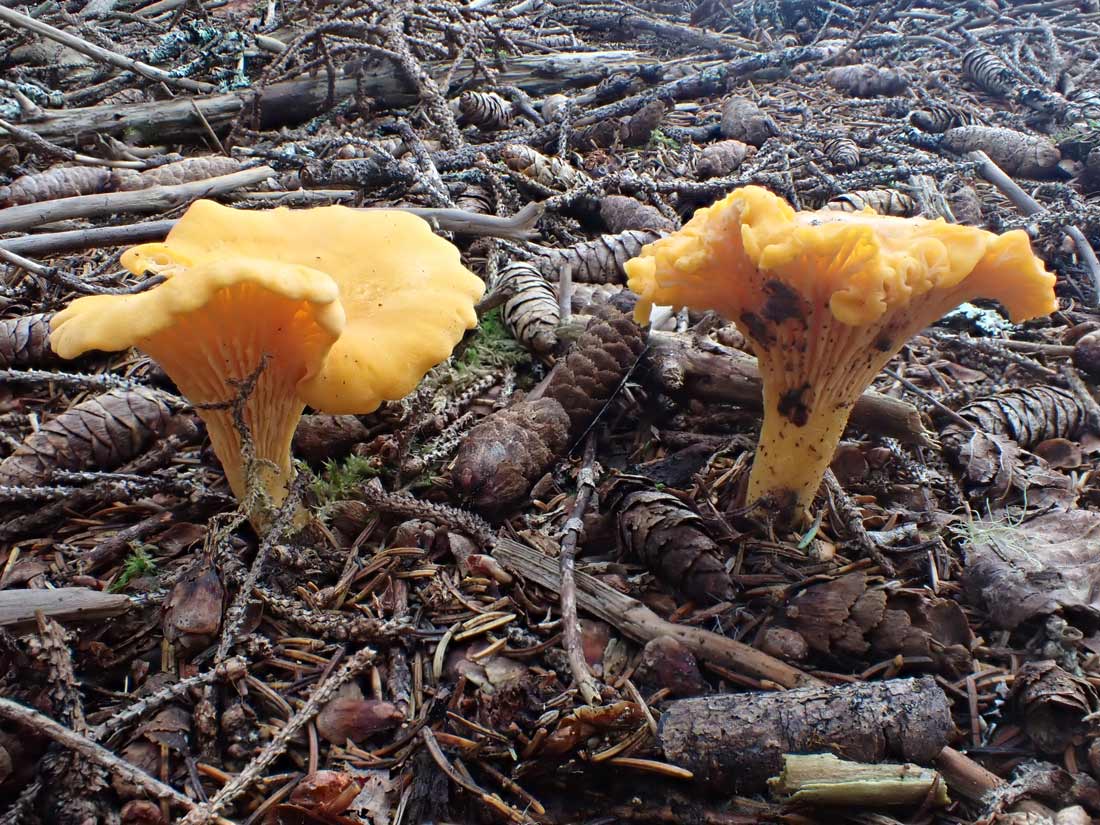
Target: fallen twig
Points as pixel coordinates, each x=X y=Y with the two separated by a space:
x=519 y=226
x=640 y=623
x=63 y=603
x=574 y=527
x=153 y=199
x=208 y=811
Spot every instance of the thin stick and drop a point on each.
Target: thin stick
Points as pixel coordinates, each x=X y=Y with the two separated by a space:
x=274 y=749
x=519 y=226
x=1029 y=206
x=853 y=520
x=14 y=18
x=153 y=199
x=97 y=754
x=574 y=528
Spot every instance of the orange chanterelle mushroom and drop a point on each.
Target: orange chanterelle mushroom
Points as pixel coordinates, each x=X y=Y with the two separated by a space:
x=350 y=308
x=827 y=298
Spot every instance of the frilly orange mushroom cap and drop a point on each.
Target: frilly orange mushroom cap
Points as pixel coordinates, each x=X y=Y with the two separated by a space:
x=827 y=298
x=350 y=307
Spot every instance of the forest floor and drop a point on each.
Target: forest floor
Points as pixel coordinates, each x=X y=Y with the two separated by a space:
x=404 y=658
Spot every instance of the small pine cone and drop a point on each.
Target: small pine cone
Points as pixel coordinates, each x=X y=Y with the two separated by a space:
x=668 y=537
x=722 y=158
x=594 y=368
x=98 y=434
x=621 y=213
x=506 y=453
x=25 y=341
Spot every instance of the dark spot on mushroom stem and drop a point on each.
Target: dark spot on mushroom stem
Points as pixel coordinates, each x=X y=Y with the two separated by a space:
x=758 y=330
x=793 y=408
x=782 y=304
x=883 y=343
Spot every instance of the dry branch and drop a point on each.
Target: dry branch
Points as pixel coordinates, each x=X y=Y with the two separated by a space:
x=154 y=199
x=96 y=754
x=641 y=624
x=15 y=19
x=294 y=101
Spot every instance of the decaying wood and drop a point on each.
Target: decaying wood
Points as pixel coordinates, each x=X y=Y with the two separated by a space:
x=65 y=604
x=736 y=742
x=640 y=623
x=294 y=101
x=731 y=376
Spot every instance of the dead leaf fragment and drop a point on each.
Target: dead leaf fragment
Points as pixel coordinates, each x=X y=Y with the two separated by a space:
x=1046 y=565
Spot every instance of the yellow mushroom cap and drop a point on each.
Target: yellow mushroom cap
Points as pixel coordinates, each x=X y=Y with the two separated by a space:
x=827 y=298
x=352 y=307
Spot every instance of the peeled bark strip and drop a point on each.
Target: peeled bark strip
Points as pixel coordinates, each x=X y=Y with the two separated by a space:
x=822 y=779
x=735 y=742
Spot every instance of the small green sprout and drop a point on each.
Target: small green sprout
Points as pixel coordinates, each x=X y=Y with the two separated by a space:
x=139 y=563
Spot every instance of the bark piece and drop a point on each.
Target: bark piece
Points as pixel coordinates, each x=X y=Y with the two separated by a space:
x=736 y=742
x=101 y=433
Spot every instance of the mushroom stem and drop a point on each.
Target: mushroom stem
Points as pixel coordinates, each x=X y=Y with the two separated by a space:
x=812 y=378
x=208 y=355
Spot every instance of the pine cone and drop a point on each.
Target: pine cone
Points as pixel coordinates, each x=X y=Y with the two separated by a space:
x=507 y=452
x=592 y=371
x=669 y=538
